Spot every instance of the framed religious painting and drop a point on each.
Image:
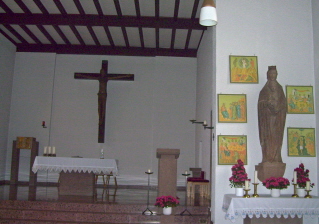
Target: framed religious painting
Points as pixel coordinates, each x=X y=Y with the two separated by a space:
x=232 y=108
x=301 y=142
x=300 y=100
x=243 y=69
x=231 y=148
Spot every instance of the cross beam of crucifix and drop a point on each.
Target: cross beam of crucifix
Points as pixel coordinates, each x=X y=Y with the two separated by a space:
x=103 y=77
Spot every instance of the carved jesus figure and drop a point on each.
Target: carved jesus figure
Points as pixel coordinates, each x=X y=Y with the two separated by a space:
x=272 y=111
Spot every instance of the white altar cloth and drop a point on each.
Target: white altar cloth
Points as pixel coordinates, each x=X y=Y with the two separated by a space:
x=266 y=206
x=58 y=164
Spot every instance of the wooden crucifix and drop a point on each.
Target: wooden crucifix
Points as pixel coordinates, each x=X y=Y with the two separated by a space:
x=103 y=77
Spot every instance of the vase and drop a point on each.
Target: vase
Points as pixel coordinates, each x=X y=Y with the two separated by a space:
x=239 y=191
x=301 y=192
x=167 y=210
x=275 y=193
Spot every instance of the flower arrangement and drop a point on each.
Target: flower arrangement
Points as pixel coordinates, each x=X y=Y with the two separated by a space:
x=276 y=183
x=166 y=201
x=302 y=176
x=239 y=175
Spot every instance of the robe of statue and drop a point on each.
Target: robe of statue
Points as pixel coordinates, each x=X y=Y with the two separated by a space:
x=272 y=111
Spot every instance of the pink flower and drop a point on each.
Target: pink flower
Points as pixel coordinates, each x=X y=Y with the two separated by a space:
x=239 y=175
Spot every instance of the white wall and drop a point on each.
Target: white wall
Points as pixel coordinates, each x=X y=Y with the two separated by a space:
x=149 y=113
x=7 y=54
x=279 y=33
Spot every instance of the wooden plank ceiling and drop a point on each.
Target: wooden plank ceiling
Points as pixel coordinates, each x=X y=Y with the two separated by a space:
x=103 y=27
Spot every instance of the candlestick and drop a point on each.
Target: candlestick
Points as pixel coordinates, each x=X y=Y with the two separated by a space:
x=255 y=195
x=49 y=150
x=246 y=184
x=186 y=172
x=149 y=171
x=308 y=185
x=246 y=195
x=256 y=179
x=295 y=177
x=295 y=195
x=308 y=195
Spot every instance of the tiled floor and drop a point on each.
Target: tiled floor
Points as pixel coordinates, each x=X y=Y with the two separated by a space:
x=122 y=195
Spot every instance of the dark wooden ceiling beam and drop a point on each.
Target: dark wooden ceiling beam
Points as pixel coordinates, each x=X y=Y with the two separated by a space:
x=96 y=20
x=28 y=31
x=138 y=16
x=25 y=9
x=77 y=34
x=109 y=35
x=5 y=7
x=46 y=34
x=8 y=37
x=105 y=50
x=96 y=40
x=41 y=7
x=60 y=7
x=15 y=33
x=98 y=7
x=79 y=7
x=62 y=35
x=176 y=9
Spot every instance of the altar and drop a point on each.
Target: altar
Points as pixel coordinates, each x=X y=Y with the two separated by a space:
x=266 y=209
x=77 y=175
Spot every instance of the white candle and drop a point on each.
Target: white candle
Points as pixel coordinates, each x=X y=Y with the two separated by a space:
x=149 y=170
x=308 y=185
x=49 y=150
x=186 y=172
x=53 y=150
x=246 y=184
x=256 y=179
x=295 y=177
x=45 y=149
x=205 y=122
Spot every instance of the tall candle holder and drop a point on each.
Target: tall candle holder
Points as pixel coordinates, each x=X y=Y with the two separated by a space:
x=148 y=193
x=185 y=210
x=308 y=195
x=295 y=195
x=255 y=195
x=246 y=195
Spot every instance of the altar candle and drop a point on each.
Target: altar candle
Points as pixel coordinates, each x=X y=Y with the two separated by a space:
x=308 y=185
x=186 y=172
x=295 y=177
x=149 y=170
x=246 y=184
x=53 y=150
x=49 y=150
x=205 y=123
x=256 y=179
x=45 y=149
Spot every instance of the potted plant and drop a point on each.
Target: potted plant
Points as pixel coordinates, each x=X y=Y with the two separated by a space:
x=275 y=184
x=302 y=178
x=239 y=175
x=166 y=202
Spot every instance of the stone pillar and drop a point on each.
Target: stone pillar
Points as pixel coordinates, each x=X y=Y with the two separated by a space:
x=167 y=171
x=267 y=170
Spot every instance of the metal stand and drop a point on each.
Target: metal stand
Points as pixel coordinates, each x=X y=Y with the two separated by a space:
x=308 y=195
x=295 y=195
x=185 y=210
x=246 y=195
x=255 y=195
x=148 y=194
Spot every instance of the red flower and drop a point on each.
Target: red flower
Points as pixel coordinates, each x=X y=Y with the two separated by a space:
x=239 y=175
x=302 y=176
x=276 y=183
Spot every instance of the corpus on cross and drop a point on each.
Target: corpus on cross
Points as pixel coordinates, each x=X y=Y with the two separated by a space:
x=103 y=77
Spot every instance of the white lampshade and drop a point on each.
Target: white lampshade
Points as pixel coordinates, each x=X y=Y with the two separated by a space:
x=208 y=15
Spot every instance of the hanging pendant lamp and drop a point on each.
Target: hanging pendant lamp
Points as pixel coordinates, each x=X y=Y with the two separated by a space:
x=208 y=16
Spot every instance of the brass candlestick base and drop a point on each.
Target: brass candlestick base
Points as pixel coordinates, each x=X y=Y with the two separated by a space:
x=295 y=195
x=246 y=193
x=308 y=196
x=255 y=195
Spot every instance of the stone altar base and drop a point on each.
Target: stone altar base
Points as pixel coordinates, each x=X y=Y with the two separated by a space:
x=75 y=183
x=267 y=169
x=274 y=220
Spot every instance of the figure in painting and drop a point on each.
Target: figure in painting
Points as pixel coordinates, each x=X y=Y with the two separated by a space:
x=272 y=111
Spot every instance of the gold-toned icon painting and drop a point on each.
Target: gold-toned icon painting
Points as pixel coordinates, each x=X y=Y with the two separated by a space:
x=301 y=142
x=232 y=108
x=231 y=148
x=300 y=100
x=243 y=69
